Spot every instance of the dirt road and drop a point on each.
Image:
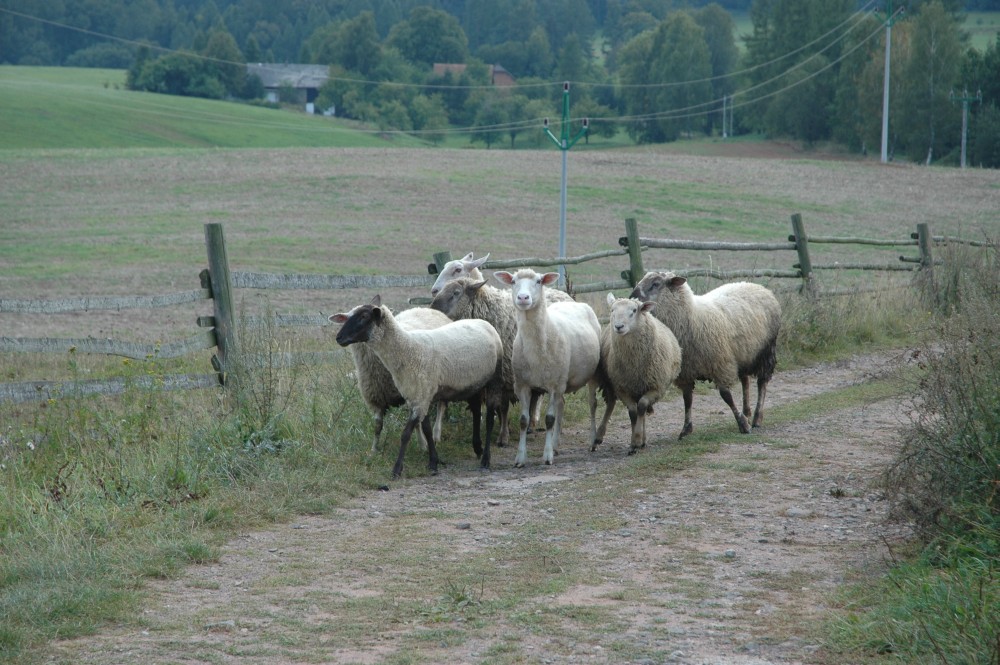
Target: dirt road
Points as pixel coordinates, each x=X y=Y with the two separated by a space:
x=731 y=557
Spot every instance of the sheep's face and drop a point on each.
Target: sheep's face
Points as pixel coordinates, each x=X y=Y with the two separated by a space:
x=447 y=300
x=359 y=325
x=625 y=313
x=655 y=283
x=527 y=286
x=464 y=267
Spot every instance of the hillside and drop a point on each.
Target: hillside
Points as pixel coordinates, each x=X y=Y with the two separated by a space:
x=66 y=107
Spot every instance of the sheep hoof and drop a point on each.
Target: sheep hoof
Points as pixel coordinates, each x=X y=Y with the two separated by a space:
x=597 y=442
x=633 y=451
x=688 y=428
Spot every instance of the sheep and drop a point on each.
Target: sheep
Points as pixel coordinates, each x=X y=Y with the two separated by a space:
x=642 y=359
x=469 y=267
x=467 y=298
x=557 y=349
x=374 y=381
x=458 y=361
x=727 y=334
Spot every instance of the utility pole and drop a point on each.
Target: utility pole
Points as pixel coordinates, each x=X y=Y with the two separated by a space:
x=564 y=143
x=890 y=18
x=724 y=115
x=966 y=100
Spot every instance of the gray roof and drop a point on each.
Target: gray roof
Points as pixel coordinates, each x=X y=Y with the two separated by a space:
x=298 y=76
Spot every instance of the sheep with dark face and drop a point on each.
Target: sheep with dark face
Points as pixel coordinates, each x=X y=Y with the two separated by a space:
x=726 y=335
x=458 y=361
x=642 y=359
x=374 y=380
x=557 y=349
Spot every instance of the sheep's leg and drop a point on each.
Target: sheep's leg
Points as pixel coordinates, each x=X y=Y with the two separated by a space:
x=503 y=434
x=404 y=440
x=442 y=411
x=758 y=416
x=476 y=407
x=552 y=422
x=741 y=420
x=491 y=412
x=642 y=410
x=432 y=454
x=633 y=417
x=745 y=380
x=536 y=411
x=522 y=446
x=379 y=418
x=609 y=406
x=687 y=390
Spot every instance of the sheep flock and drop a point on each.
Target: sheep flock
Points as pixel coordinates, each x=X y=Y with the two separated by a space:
x=500 y=347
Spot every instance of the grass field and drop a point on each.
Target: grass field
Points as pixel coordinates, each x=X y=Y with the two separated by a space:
x=62 y=107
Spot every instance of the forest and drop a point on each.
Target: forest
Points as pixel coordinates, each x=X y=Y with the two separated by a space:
x=659 y=70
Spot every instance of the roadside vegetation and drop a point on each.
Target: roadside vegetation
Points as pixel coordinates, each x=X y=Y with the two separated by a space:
x=940 y=602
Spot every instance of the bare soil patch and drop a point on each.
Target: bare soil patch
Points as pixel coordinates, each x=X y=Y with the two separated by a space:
x=732 y=558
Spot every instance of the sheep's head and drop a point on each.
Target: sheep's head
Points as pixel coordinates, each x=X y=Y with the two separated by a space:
x=357 y=325
x=527 y=286
x=454 y=294
x=625 y=313
x=463 y=267
x=654 y=283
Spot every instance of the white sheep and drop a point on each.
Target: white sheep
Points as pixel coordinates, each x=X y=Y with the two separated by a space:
x=641 y=358
x=467 y=298
x=458 y=361
x=374 y=381
x=727 y=335
x=557 y=349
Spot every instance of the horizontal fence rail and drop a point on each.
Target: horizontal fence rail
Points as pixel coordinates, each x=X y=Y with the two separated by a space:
x=219 y=330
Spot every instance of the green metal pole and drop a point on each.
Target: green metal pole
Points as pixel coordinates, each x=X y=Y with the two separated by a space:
x=890 y=18
x=564 y=143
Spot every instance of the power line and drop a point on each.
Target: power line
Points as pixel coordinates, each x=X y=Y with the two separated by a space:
x=692 y=111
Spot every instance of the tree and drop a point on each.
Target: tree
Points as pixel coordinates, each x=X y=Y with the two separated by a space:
x=681 y=64
x=931 y=124
x=226 y=59
x=490 y=122
x=429 y=36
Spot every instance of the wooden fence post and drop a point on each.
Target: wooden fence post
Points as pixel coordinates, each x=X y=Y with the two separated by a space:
x=924 y=242
x=926 y=275
x=221 y=286
x=440 y=258
x=802 y=247
x=631 y=242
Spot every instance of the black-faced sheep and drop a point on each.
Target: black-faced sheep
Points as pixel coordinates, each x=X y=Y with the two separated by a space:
x=641 y=358
x=557 y=349
x=726 y=335
x=374 y=380
x=458 y=361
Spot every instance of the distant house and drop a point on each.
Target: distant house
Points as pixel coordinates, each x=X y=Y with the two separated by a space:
x=305 y=80
x=499 y=76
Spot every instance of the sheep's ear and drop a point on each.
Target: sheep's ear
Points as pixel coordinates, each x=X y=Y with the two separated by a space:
x=478 y=263
x=478 y=285
x=377 y=315
x=376 y=301
x=340 y=317
x=504 y=276
x=611 y=299
x=550 y=278
x=467 y=258
x=647 y=306
x=676 y=282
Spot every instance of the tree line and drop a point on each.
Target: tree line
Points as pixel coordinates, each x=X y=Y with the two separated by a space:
x=659 y=70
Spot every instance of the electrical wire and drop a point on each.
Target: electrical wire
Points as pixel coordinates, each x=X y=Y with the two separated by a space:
x=692 y=111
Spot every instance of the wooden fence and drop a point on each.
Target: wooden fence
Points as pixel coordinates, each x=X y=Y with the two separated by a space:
x=218 y=284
